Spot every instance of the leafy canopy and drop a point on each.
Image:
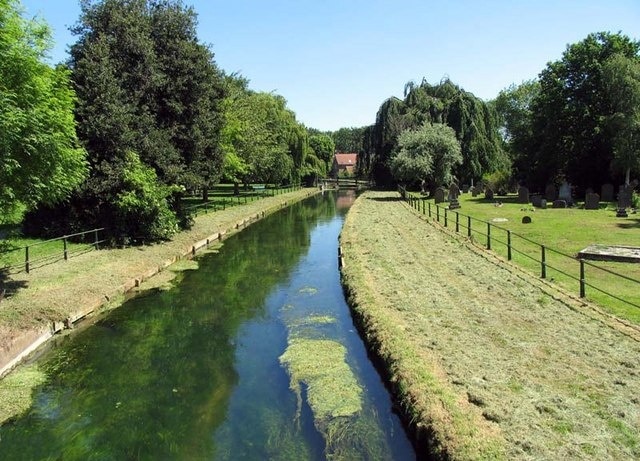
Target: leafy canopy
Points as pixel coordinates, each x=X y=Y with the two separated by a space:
x=40 y=157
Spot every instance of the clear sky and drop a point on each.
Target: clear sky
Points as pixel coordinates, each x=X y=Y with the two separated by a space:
x=336 y=61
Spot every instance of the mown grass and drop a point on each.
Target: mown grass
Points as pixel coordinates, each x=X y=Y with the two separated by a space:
x=564 y=233
x=487 y=362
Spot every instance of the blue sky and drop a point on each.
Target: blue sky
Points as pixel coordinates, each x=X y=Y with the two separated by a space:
x=336 y=61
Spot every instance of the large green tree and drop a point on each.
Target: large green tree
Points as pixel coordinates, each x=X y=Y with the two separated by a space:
x=146 y=87
x=41 y=160
x=622 y=81
x=572 y=112
x=474 y=121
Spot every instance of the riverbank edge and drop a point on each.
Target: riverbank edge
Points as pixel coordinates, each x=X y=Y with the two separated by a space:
x=436 y=427
x=31 y=339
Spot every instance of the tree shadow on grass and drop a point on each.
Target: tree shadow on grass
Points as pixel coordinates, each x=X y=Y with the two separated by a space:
x=9 y=287
x=633 y=223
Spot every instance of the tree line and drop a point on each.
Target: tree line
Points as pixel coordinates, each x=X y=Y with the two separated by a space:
x=138 y=116
x=579 y=121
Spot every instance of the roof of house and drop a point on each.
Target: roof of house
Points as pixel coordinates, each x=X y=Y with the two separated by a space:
x=346 y=159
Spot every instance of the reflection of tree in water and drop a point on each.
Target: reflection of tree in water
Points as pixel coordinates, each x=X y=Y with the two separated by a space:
x=153 y=379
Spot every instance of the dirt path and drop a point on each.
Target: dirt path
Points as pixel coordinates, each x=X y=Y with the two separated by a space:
x=544 y=379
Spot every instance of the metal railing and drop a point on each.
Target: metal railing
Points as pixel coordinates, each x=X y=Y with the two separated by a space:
x=488 y=235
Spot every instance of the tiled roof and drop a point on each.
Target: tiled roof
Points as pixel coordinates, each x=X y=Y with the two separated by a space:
x=346 y=159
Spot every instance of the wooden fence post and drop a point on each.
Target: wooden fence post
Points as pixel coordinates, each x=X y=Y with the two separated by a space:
x=96 y=239
x=543 y=263
x=488 y=236
x=26 y=259
x=457 y=222
x=468 y=226
x=64 y=243
x=509 y=245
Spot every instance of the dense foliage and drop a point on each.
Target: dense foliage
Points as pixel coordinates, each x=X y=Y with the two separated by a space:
x=474 y=122
x=41 y=160
x=427 y=154
x=575 y=122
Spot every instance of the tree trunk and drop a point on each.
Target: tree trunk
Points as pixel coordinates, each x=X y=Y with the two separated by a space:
x=205 y=194
x=627 y=176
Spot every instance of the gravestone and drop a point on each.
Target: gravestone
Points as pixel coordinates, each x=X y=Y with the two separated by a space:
x=454 y=192
x=550 y=193
x=526 y=220
x=465 y=188
x=488 y=193
x=564 y=193
x=536 y=200
x=624 y=197
x=592 y=201
x=439 y=194
x=523 y=195
x=475 y=191
x=543 y=204
x=606 y=192
x=559 y=204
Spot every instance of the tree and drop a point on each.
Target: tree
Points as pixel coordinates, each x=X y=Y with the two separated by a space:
x=428 y=154
x=571 y=113
x=348 y=139
x=144 y=85
x=622 y=81
x=323 y=147
x=474 y=121
x=40 y=157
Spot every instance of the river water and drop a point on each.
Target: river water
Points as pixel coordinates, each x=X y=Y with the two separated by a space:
x=198 y=371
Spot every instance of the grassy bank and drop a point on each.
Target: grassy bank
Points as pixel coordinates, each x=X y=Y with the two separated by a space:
x=99 y=278
x=487 y=362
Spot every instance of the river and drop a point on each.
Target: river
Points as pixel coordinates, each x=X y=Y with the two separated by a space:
x=252 y=356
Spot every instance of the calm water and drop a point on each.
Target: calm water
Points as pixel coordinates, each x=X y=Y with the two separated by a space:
x=193 y=372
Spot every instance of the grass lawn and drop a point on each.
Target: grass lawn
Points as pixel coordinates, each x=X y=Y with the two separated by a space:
x=563 y=232
x=486 y=361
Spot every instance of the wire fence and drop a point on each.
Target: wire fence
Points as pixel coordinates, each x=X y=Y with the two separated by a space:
x=257 y=192
x=548 y=262
x=29 y=257
x=50 y=251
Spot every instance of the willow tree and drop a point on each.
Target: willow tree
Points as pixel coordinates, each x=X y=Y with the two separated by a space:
x=474 y=122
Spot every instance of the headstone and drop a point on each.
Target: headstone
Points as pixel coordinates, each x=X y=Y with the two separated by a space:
x=559 y=204
x=488 y=193
x=465 y=188
x=454 y=203
x=606 y=192
x=439 y=194
x=475 y=191
x=592 y=201
x=536 y=200
x=526 y=220
x=523 y=195
x=454 y=192
x=543 y=204
x=550 y=193
x=624 y=197
x=564 y=193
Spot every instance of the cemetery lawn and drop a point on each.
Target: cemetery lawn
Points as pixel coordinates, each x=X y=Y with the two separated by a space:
x=568 y=231
x=485 y=359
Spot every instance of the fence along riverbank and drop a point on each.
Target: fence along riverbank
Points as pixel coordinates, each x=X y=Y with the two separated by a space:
x=548 y=261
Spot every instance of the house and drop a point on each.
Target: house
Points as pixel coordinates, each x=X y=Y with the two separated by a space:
x=343 y=163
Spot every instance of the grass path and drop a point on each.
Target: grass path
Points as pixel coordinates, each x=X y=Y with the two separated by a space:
x=489 y=360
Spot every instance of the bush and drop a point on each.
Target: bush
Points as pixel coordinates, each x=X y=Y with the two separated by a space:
x=498 y=181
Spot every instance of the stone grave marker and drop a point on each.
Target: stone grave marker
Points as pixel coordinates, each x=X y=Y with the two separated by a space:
x=488 y=193
x=559 y=204
x=592 y=201
x=564 y=193
x=439 y=194
x=526 y=220
x=454 y=192
x=550 y=193
x=523 y=195
x=536 y=200
x=465 y=188
x=543 y=204
x=606 y=192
